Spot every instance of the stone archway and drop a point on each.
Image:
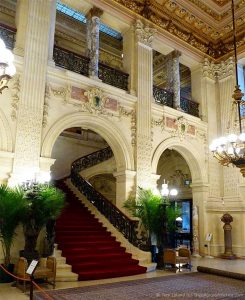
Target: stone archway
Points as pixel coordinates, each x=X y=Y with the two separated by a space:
x=196 y=162
x=192 y=157
x=113 y=136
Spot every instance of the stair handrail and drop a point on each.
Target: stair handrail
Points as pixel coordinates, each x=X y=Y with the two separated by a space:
x=117 y=218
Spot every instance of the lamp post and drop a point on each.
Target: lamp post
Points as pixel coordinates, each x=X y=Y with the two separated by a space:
x=7 y=68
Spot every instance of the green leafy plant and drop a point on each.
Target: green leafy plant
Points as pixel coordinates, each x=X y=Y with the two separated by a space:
x=44 y=203
x=156 y=214
x=12 y=207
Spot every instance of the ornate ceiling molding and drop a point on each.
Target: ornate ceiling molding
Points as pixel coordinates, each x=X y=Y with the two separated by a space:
x=182 y=23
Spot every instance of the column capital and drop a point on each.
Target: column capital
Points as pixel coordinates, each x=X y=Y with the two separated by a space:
x=144 y=33
x=218 y=71
x=94 y=12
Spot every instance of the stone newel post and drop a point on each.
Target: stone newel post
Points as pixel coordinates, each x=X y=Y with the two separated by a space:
x=228 y=254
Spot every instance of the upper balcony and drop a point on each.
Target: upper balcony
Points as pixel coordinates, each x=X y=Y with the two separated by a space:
x=78 y=63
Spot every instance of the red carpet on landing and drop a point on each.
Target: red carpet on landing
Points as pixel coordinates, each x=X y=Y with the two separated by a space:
x=88 y=247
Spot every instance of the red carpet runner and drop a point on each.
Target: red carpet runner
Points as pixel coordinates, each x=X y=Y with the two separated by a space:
x=88 y=247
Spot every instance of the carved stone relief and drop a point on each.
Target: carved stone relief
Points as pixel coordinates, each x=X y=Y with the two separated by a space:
x=15 y=92
x=144 y=33
x=46 y=104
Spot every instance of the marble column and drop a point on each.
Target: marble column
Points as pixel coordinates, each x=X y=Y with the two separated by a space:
x=173 y=76
x=93 y=32
x=144 y=67
x=32 y=91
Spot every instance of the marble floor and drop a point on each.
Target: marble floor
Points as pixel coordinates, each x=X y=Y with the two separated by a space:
x=7 y=292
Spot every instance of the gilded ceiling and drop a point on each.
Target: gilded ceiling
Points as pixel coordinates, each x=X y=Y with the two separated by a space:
x=204 y=24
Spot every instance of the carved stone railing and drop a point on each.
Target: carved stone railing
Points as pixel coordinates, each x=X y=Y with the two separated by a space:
x=117 y=218
x=7 y=34
x=163 y=96
x=189 y=106
x=71 y=61
x=80 y=64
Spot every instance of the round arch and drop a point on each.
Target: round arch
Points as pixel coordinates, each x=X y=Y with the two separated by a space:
x=192 y=157
x=6 y=141
x=113 y=136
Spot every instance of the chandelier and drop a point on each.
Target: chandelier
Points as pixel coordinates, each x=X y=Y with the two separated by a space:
x=7 y=68
x=230 y=149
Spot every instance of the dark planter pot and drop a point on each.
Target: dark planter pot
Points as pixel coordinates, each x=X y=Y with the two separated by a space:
x=4 y=277
x=154 y=253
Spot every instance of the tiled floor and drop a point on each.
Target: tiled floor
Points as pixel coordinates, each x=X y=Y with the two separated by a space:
x=11 y=293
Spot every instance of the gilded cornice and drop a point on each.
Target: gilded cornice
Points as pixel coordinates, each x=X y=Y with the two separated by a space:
x=180 y=22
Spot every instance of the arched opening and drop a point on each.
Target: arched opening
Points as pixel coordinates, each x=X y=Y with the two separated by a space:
x=100 y=133
x=194 y=159
x=174 y=170
x=76 y=142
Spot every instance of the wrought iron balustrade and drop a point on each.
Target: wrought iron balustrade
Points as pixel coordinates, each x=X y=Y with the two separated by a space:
x=7 y=34
x=80 y=64
x=71 y=61
x=117 y=218
x=163 y=96
x=189 y=106
x=113 y=77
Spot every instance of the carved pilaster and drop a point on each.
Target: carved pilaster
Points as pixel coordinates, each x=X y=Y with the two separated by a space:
x=32 y=89
x=144 y=37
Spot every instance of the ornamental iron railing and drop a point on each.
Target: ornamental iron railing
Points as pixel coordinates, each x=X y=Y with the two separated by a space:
x=117 y=218
x=7 y=34
x=113 y=77
x=71 y=61
x=80 y=64
x=189 y=106
x=163 y=96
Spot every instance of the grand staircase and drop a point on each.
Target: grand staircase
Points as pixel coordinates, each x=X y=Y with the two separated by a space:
x=89 y=248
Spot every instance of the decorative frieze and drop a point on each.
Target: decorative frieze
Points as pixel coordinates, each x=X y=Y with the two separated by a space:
x=62 y=92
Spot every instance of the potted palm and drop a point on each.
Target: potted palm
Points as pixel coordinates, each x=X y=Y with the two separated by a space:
x=12 y=207
x=157 y=217
x=44 y=205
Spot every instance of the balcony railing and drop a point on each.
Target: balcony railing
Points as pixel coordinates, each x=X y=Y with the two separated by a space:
x=80 y=64
x=189 y=106
x=8 y=35
x=71 y=61
x=165 y=97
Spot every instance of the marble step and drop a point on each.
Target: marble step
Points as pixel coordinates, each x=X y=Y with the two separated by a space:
x=65 y=276
x=63 y=267
x=60 y=260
